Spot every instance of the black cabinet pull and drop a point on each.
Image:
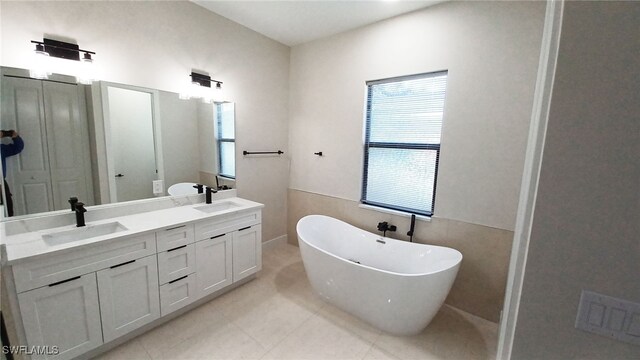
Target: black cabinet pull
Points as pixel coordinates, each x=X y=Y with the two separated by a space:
x=178 y=279
x=217 y=236
x=244 y=228
x=176 y=227
x=124 y=263
x=119 y=175
x=64 y=281
x=176 y=248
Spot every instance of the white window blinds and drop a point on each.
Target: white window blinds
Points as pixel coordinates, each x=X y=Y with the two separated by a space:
x=402 y=142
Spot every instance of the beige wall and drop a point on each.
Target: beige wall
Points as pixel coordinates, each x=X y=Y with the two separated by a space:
x=491 y=50
x=586 y=226
x=479 y=286
x=156 y=45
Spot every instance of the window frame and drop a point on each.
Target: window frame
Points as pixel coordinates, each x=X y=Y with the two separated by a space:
x=393 y=145
x=220 y=140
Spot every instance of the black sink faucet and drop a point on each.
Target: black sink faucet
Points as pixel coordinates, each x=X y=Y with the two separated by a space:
x=80 y=210
x=73 y=201
x=199 y=187
x=208 y=193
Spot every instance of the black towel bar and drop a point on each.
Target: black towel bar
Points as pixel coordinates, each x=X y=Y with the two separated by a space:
x=262 y=152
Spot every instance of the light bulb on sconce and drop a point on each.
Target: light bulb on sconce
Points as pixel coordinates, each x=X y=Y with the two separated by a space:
x=86 y=70
x=39 y=68
x=218 y=93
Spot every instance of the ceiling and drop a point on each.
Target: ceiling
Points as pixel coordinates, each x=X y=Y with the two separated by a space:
x=297 y=22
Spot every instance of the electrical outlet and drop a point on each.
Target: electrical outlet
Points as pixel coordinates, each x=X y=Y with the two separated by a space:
x=608 y=316
x=158 y=187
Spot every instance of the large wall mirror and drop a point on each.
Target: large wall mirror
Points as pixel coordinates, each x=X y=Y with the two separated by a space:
x=106 y=142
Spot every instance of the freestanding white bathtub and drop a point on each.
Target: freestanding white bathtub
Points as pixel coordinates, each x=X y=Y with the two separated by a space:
x=394 y=285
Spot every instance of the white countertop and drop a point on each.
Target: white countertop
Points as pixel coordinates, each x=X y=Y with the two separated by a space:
x=27 y=245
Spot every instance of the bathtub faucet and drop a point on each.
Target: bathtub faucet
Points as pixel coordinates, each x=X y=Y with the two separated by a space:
x=384 y=227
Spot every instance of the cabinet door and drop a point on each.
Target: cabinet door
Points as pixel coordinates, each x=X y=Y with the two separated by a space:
x=129 y=296
x=64 y=314
x=213 y=264
x=247 y=252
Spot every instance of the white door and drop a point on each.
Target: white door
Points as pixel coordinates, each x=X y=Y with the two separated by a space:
x=64 y=314
x=213 y=264
x=68 y=144
x=55 y=163
x=129 y=296
x=28 y=173
x=247 y=252
x=132 y=146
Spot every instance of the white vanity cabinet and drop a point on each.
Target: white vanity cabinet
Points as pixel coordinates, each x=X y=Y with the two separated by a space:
x=129 y=296
x=78 y=299
x=72 y=299
x=63 y=314
x=176 y=267
x=247 y=251
x=228 y=249
x=213 y=264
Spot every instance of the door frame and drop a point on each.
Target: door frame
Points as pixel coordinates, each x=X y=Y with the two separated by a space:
x=531 y=175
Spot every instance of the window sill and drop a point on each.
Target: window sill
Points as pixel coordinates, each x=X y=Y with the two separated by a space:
x=394 y=212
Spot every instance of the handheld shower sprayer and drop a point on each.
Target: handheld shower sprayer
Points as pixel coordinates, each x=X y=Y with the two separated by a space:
x=413 y=225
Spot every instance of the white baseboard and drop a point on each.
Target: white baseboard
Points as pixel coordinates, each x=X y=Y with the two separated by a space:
x=282 y=239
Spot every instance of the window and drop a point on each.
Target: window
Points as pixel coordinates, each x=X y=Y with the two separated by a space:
x=402 y=142
x=225 y=115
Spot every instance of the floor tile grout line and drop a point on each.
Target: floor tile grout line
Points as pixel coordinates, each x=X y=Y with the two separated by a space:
x=144 y=348
x=231 y=322
x=367 y=352
x=292 y=331
x=385 y=351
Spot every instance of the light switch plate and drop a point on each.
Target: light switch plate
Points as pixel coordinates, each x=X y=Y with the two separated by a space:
x=608 y=316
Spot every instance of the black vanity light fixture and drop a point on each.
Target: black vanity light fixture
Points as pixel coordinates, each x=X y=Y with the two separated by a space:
x=59 y=56
x=201 y=88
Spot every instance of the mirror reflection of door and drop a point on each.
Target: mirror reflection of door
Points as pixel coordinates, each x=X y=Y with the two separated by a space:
x=50 y=117
x=132 y=160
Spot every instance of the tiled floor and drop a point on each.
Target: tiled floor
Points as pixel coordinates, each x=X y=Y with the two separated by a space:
x=277 y=316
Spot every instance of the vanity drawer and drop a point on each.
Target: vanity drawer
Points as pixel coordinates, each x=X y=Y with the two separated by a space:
x=177 y=293
x=177 y=262
x=53 y=268
x=218 y=225
x=175 y=236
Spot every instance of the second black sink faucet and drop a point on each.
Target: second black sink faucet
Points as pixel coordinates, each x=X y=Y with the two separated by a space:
x=208 y=192
x=80 y=210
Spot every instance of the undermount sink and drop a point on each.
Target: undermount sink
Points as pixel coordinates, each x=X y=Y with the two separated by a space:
x=82 y=233
x=216 y=207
